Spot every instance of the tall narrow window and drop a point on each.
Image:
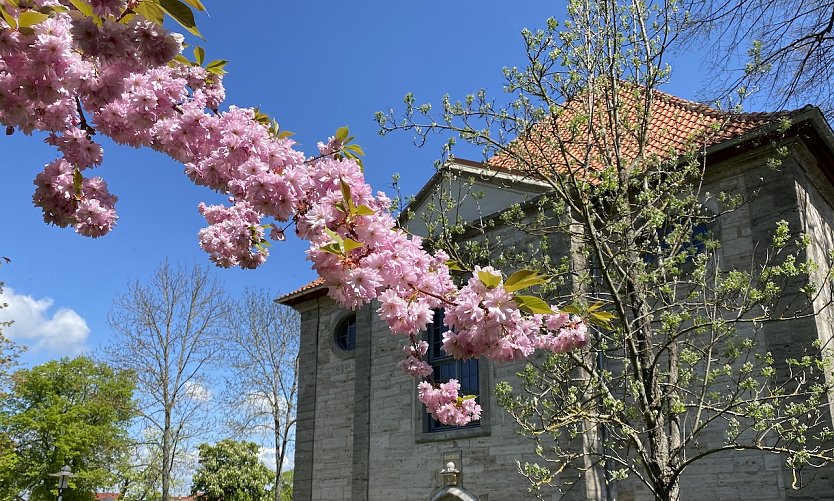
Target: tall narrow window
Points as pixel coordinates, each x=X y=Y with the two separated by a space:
x=447 y=367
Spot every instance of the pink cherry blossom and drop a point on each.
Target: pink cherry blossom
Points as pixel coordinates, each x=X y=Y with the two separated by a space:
x=72 y=76
x=445 y=405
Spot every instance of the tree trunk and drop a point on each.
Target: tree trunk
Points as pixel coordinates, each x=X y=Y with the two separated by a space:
x=166 y=457
x=279 y=460
x=669 y=492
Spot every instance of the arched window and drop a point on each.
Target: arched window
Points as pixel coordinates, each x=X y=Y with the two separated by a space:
x=346 y=333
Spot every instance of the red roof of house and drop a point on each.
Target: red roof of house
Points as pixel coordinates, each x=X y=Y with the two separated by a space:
x=675 y=126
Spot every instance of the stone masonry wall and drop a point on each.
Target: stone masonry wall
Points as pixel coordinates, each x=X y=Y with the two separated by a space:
x=324 y=434
x=816 y=208
x=360 y=427
x=404 y=461
x=781 y=195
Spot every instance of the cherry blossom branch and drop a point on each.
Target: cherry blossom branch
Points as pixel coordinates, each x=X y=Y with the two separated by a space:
x=82 y=119
x=125 y=73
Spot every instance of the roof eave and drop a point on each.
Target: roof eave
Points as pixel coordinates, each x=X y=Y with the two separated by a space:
x=484 y=171
x=295 y=298
x=809 y=114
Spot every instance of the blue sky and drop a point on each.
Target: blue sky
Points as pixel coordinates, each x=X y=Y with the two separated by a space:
x=314 y=66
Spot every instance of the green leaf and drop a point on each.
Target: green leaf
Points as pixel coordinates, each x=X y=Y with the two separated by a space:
x=332 y=234
x=364 y=210
x=182 y=59
x=571 y=309
x=128 y=17
x=355 y=149
x=151 y=11
x=217 y=64
x=454 y=265
x=332 y=248
x=596 y=306
x=55 y=8
x=284 y=133
x=342 y=133
x=182 y=14
x=216 y=67
x=197 y=4
x=532 y=304
x=261 y=118
x=603 y=318
x=83 y=7
x=77 y=180
x=199 y=54
x=351 y=244
x=489 y=279
x=30 y=18
x=10 y=20
x=523 y=279
x=346 y=194
x=63 y=395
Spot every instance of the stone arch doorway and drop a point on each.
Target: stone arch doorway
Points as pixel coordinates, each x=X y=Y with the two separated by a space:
x=453 y=493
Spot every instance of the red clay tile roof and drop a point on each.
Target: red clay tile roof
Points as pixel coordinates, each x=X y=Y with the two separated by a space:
x=294 y=297
x=312 y=285
x=675 y=126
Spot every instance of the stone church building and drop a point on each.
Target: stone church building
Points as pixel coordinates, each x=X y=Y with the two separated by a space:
x=361 y=432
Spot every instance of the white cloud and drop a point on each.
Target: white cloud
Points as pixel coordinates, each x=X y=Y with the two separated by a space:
x=258 y=403
x=197 y=391
x=267 y=456
x=64 y=333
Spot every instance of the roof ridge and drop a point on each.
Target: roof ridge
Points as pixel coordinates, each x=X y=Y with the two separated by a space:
x=710 y=110
x=673 y=123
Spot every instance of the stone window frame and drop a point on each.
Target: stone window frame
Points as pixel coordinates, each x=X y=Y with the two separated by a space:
x=337 y=348
x=485 y=385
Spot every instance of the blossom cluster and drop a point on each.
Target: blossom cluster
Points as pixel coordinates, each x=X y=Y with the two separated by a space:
x=446 y=405
x=72 y=76
x=414 y=362
x=487 y=322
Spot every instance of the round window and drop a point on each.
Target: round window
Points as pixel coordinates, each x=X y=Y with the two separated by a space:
x=346 y=333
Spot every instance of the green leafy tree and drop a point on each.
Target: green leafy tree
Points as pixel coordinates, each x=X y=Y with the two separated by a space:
x=230 y=471
x=72 y=412
x=679 y=367
x=9 y=463
x=286 y=485
x=140 y=477
x=9 y=351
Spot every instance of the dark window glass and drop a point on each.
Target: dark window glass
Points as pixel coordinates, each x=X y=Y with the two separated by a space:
x=346 y=333
x=696 y=245
x=447 y=367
